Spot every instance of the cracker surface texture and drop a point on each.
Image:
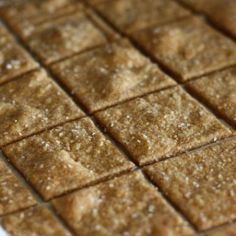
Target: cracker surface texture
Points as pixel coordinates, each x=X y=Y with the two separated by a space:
x=161 y=124
x=33 y=103
x=221 y=94
x=189 y=48
x=110 y=74
x=204 y=183
x=13 y=195
x=34 y=221
x=67 y=157
x=127 y=205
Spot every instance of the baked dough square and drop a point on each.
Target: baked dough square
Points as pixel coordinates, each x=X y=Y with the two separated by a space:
x=13 y=195
x=61 y=38
x=110 y=74
x=130 y=16
x=222 y=13
x=219 y=91
x=24 y=16
x=127 y=205
x=161 y=124
x=33 y=103
x=34 y=221
x=189 y=48
x=204 y=183
x=14 y=61
x=67 y=157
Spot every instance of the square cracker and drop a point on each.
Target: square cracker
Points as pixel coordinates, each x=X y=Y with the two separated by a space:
x=33 y=103
x=188 y=47
x=58 y=39
x=24 y=16
x=14 y=61
x=67 y=157
x=13 y=195
x=223 y=13
x=161 y=124
x=127 y=205
x=110 y=74
x=204 y=183
x=128 y=18
x=34 y=221
x=221 y=94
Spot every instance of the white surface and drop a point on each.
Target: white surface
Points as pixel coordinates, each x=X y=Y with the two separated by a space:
x=3 y=232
